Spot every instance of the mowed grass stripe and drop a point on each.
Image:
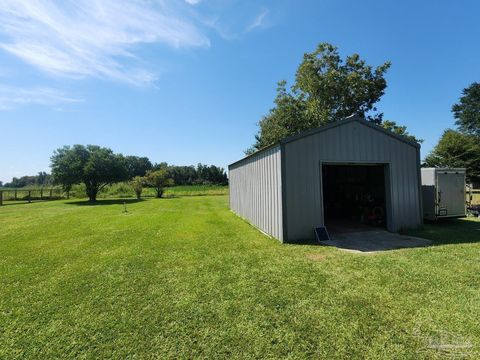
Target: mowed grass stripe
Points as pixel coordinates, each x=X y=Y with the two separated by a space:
x=184 y=277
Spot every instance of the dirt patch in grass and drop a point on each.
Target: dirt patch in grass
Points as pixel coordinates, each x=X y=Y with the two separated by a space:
x=316 y=257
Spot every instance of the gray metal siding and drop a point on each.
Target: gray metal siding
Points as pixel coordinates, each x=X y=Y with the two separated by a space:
x=351 y=142
x=256 y=191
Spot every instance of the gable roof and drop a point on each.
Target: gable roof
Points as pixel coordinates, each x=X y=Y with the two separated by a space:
x=348 y=120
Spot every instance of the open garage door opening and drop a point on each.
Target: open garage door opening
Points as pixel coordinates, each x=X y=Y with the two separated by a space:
x=354 y=197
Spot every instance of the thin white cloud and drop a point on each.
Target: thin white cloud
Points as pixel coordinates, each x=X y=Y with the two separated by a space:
x=259 y=21
x=235 y=21
x=223 y=30
x=13 y=97
x=105 y=39
x=95 y=38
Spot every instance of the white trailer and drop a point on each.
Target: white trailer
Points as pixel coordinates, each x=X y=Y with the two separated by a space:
x=443 y=193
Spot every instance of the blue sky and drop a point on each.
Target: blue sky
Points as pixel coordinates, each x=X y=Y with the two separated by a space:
x=187 y=81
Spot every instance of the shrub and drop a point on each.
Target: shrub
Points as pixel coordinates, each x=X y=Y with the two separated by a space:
x=159 y=179
x=137 y=183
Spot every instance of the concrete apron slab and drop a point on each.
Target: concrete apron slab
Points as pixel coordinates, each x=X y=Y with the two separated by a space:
x=373 y=241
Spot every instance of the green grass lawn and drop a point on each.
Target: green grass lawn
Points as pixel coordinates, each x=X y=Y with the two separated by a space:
x=186 y=278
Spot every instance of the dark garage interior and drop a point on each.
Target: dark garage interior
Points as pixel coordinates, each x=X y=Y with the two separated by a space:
x=354 y=197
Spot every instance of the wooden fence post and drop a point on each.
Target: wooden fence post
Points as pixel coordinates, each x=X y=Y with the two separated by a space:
x=16 y=195
x=1 y=197
x=29 y=196
x=41 y=194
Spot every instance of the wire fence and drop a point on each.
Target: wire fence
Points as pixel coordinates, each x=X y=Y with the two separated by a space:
x=21 y=195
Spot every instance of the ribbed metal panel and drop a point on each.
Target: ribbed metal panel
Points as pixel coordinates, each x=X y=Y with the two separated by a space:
x=351 y=142
x=256 y=190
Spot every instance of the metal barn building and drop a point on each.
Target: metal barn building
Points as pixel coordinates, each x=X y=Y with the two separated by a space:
x=349 y=173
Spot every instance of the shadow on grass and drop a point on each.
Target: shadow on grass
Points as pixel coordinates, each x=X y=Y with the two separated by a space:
x=450 y=231
x=23 y=202
x=102 y=202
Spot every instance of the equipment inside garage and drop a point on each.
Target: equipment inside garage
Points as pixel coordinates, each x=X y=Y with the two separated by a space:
x=354 y=196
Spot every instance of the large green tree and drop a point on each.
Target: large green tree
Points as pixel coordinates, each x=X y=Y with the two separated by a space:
x=467 y=111
x=137 y=166
x=92 y=165
x=457 y=150
x=461 y=148
x=399 y=130
x=326 y=89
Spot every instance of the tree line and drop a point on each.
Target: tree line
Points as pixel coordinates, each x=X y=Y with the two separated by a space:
x=42 y=179
x=96 y=167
